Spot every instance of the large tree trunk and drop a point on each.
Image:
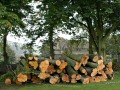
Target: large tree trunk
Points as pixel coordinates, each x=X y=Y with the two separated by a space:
x=90 y=46
x=5 y=55
x=51 y=43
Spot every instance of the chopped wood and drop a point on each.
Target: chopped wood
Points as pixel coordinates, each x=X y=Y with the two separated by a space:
x=75 y=57
x=100 y=66
x=44 y=65
x=95 y=58
x=100 y=62
x=72 y=63
x=51 y=69
x=55 y=62
x=82 y=70
x=78 y=77
x=94 y=72
x=71 y=72
x=92 y=64
x=65 y=77
x=84 y=60
x=35 y=79
x=36 y=58
x=109 y=65
x=53 y=80
x=8 y=81
x=63 y=65
x=18 y=83
x=85 y=80
x=59 y=70
x=43 y=75
x=73 y=81
x=34 y=64
x=70 y=69
x=28 y=77
x=30 y=58
x=22 y=77
x=109 y=71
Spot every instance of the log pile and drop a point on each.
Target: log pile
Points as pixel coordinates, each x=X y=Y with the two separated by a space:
x=70 y=69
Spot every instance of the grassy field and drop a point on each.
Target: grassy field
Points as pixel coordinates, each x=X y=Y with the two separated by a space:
x=109 y=85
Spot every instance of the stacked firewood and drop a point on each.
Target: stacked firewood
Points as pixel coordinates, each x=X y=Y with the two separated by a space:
x=70 y=69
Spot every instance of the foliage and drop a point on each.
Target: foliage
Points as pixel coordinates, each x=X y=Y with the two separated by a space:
x=9 y=74
x=10 y=52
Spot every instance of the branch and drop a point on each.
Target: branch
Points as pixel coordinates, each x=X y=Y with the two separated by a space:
x=110 y=31
x=90 y=28
x=80 y=23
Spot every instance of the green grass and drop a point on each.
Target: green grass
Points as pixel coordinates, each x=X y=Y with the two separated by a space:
x=109 y=85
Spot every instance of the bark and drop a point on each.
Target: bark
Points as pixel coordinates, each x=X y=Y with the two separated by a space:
x=90 y=46
x=51 y=43
x=5 y=55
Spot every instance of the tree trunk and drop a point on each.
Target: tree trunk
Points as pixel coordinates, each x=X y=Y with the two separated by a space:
x=90 y=46
x=51 y=43
x=5 y=55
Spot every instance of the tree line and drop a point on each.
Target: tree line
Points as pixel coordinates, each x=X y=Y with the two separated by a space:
x=99 y=18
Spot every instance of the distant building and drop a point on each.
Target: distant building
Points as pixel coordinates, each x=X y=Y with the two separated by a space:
x=76 y=47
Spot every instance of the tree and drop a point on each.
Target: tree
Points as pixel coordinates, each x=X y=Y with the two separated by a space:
x=99 y=17
x=46 y=22
x=113 y=45
x=11 y=19
x=10 y=52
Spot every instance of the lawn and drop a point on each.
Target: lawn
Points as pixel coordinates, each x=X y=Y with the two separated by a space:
x=109 y=85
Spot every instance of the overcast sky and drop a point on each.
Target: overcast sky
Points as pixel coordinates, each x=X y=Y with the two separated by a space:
x=22 y=39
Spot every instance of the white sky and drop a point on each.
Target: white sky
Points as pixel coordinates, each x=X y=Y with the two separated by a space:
x=22 y=39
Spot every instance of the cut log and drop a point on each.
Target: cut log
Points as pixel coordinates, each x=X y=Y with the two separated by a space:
x=65 y=77
x=8 y=81
x=53 y=80
x=84 y=60
x=75 y=57
x=71 y=72
x=93 y=65
x=22 y=77
x=44 y=65
x=35 y=79
x=57 y=77
x=110 y=76
x=43 y=75
x=101 y=78
x=63 y=65
x=100 y=62
x=97 y=79
x=109 y=71
x=78 y=77
x=85 y=80
x=100 y=66
x=28 y=77
x=18 y=83
x=89 y=70
x=91 y=79
x=73 y=81
x=102 y=73
x=93 y=58
x=72 y=63
x=94 y=72
x=51 y=69
x=82 y=70
x=34 y=64
x=55 y=62
x=109 y=65
x=36 y=58
x=59 y=70
x=30 y=58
